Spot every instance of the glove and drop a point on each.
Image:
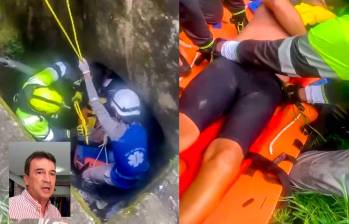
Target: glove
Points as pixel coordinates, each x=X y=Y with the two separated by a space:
x=83 y=66
x=229 y=50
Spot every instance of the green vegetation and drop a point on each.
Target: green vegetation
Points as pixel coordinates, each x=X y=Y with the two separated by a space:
x=10 y=42
x=13 y=49
x=314 y=208
x=3 y=202
x=10 y=38
x=4 y=209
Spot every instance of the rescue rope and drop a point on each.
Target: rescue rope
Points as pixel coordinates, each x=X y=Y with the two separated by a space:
x=196 y=57
x=102 y=148
x=74 y=30
x=78 y=53
x=83 y=121
x=77 y=48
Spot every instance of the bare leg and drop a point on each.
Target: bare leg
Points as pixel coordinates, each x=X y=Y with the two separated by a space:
x=292 y=23
x=223 y=157
x=188 y=132
x=221 y=164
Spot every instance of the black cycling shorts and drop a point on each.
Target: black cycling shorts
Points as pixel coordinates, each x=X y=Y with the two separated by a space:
x=246 y=95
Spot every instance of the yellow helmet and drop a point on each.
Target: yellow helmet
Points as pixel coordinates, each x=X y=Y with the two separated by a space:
x=46 y=100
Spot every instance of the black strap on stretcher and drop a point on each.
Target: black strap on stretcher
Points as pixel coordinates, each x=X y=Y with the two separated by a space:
x=271 y=167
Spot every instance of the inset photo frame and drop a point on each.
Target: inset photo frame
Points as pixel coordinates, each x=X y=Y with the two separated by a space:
x=39 y=180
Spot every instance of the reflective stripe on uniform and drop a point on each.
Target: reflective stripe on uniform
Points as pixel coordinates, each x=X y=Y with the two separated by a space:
x=30 y=120
x=35 y=125
x=62 y=68
x=33 y=80
x=284 y=53
x=49 y=137
x=43 y=78
x=314 y=60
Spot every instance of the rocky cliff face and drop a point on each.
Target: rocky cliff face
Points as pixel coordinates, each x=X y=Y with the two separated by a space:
x=137 y=39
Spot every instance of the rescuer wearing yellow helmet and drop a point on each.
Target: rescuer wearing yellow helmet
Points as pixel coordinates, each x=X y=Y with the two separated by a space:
x=39 y=104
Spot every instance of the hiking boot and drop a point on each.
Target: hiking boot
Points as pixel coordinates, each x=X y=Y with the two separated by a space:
x=239 y=19
x=209 y=52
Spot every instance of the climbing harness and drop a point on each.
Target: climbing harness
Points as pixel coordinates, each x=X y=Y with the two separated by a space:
x=82 y=128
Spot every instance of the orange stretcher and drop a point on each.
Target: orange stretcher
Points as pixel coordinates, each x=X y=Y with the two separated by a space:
x=253 y=197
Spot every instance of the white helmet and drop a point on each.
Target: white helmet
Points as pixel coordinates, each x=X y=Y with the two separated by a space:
x=126 y=103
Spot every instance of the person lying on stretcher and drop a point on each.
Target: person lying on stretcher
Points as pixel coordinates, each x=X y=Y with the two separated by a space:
x=322 y=52
x=245 y=97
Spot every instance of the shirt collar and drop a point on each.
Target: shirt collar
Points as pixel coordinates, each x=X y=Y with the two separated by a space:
x=34 y=202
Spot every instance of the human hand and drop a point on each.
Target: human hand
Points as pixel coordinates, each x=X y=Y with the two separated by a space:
x=83 y=66
x=6 y=62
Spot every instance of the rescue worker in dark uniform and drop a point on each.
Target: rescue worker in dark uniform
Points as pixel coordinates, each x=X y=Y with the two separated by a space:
x=194 y=15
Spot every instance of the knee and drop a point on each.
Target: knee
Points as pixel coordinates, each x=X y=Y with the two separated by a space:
x=223 y=155
x=224 y=158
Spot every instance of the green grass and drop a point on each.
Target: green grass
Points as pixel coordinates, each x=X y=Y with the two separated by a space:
x=4 y=209
x=314 y=208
